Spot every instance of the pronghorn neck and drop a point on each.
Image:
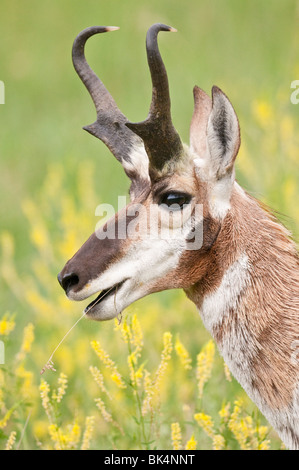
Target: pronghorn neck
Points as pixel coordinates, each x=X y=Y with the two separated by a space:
x=249 y=301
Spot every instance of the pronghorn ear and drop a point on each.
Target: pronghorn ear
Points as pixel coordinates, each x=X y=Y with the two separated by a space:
x=223 y=135
x=199 y=122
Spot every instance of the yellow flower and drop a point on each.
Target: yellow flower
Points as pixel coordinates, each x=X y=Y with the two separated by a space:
x=39 y=236
x=62 y=382
x=242 y=427
x=224 y=412
x=44 y=393
x=176 y=436
x=6 y=325
x=11 y=440
x=99 y=379
x=183 y=354
x=264 y=445
x=262 y=432
x=28 y=338
x=137 y=335
x=89 y=428
x=65 y=441
x=152 y=385
x=205 y=360
x=125 y=330
x=106 y=415
x=206 y=422
x=109 y=363
x=191 y=444
x=73 y=436
x=149 y=389
x=101 y=406
x=132 y=361
x=5 y=419
x=227 y=372
x=263 y=112
x=218 y=442
x=165 y=357
x=56 y=436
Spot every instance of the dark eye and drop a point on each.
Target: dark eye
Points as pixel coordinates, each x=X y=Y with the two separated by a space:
x=177 y=200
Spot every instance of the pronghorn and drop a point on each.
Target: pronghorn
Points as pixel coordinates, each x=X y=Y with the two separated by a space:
x=243 y=276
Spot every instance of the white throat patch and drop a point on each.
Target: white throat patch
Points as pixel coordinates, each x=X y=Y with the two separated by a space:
x=217 y=305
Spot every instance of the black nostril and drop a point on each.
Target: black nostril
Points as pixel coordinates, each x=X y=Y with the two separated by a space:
x=67 y=281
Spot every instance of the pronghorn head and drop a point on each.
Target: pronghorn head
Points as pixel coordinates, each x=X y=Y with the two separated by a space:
x=179 y=195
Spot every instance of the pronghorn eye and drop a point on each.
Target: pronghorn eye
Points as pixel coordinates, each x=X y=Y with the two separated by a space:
x=177 y=200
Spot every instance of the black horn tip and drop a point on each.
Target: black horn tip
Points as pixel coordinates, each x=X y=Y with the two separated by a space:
x=91 y=30
x=82 y=37
x=162 y=27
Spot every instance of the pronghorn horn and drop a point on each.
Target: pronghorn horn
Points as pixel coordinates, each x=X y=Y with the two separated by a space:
x=110 y=124
x=161 y=140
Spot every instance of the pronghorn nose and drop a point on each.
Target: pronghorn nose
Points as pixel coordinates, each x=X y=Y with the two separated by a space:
x=68 y=280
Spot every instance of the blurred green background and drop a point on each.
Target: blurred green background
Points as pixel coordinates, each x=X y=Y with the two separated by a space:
x=248 y=48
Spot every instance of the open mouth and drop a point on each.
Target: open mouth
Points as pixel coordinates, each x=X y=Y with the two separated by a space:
x=104 y=294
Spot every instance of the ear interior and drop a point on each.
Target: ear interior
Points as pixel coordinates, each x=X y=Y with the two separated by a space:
x=199 y=122
x=223 y=134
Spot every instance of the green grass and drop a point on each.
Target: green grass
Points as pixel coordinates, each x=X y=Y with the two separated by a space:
x=248 y=48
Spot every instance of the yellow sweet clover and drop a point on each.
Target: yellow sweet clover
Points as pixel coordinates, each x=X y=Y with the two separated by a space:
x=183 y=354
x=218 y=442
x=109 y=363
x=4 y=421
x=62 y=382
x=46 y=403
x=191 y=444
x=88 y=432
x=106 y=415
x=176 y=436
x=206 y=422
x=165 y=358
x=205 y=360
x=7 y=324
x=11 y=440
x=224 y=412
x=99 y=379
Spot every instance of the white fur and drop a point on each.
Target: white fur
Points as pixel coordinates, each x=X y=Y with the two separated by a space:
x=217 y=305
x=138 y=162
x=238 y=347
x=219 y=197
x=219 y=191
